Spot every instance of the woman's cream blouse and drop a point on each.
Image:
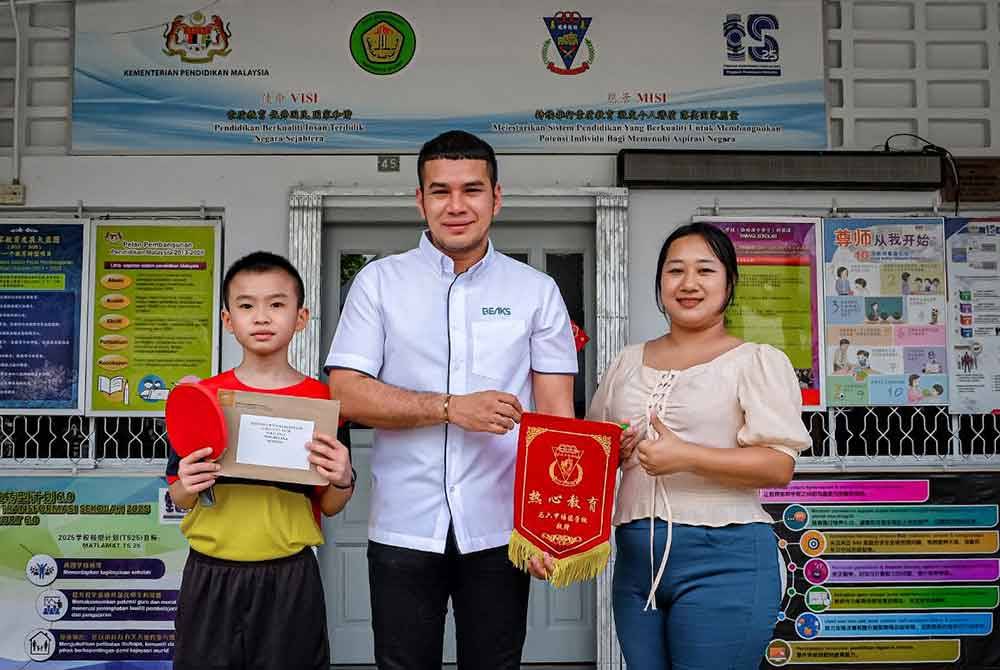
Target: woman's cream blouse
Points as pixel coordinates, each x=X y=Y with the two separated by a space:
x=748 y=396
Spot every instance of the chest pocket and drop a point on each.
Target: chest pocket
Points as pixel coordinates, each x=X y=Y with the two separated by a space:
x=498 y=348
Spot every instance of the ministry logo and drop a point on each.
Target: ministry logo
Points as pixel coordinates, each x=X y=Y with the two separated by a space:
x=568 y=32
x=751 y=47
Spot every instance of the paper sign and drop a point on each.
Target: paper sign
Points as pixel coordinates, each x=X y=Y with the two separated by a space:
x=279 y=443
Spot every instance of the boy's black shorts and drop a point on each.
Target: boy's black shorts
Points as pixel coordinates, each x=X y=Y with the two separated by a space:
x=259 y=614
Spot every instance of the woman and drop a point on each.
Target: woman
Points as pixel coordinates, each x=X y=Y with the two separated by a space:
x=713 y=419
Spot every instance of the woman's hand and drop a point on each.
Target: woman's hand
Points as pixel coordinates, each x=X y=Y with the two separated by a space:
x=665 y=455
x=629 y=440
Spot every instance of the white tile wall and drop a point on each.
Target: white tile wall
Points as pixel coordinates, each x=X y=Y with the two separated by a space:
x=930 y=67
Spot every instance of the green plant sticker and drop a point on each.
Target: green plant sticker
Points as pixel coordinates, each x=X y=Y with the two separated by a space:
x=383 y=43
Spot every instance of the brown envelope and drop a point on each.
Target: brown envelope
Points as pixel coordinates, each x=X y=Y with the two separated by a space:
x=324 y=413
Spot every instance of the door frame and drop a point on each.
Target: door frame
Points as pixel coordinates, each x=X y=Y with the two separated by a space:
x=607 y=207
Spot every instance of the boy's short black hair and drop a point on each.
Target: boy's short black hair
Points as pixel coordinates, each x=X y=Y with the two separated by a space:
x=264 y=261
x=860 y=281
x=939 y=389
x=717 y=241
x=457 y=145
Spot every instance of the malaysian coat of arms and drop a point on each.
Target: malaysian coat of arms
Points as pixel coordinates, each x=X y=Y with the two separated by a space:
x=197 y=38
x=567 y=33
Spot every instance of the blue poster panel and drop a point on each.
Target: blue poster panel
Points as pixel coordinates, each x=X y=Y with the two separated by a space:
x=41 y=300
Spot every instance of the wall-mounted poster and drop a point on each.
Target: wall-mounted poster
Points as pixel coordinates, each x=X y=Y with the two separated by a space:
x=974 y=314
x=43 y=298
x=90 y=572
x=257 y=76
x=885 y=285
x=778 y=297
x=155 y=315
x=887 y=572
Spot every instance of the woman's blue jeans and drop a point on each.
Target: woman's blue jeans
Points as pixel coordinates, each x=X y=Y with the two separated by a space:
x=717 y=603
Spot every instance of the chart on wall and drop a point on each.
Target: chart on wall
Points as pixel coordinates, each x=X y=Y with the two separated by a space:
x=255 y=76
x=974 y=314
x=886 y=291
x=154 y=320
x=43 y=302
x=778 y=298
x=90 y=572
x=888 y=571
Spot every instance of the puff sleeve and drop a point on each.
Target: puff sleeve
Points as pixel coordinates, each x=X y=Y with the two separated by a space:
x=600 y=404
x=772 y=404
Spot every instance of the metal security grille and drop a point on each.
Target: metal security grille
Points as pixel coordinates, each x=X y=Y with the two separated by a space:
x=857 y=439
x=40 y=442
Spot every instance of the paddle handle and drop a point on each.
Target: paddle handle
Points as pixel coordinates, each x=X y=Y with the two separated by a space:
x=207 y=497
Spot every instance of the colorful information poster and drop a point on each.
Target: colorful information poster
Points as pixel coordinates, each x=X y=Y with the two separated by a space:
x=89 y=572
x=42 y=300
x=885 y=285
x=888 y=572
x=155 y=314
x=778 y=297
x=256 y=76
x=974 y=314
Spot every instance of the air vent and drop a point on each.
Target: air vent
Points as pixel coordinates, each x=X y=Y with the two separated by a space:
x=827 y=170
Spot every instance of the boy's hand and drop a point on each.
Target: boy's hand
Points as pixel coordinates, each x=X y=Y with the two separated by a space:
x=197 y=474
x=331 y=458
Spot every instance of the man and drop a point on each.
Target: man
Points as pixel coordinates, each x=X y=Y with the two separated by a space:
x=440 y=349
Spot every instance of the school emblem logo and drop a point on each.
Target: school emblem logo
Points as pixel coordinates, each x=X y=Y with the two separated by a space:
x=196 y=38
x=568 y=32
x=565 y=469
x=383 y=43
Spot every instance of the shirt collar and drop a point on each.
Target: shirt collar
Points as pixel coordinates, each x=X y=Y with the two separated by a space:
x=444 y=264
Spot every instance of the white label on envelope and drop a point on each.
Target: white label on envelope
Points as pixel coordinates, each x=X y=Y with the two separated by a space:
x=267 y=440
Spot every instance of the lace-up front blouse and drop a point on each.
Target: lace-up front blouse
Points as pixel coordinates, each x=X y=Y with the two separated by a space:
x=747 y=396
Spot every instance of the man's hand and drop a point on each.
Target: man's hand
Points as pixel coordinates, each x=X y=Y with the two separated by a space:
x=541 y=567
x=331 y=458
x=196 y=474
x=665 y=455
x=485 y=412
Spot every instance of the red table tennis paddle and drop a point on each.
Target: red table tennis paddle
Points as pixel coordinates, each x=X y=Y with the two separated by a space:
x=195 y=421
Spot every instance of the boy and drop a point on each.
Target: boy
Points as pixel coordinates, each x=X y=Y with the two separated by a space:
x=251 y=594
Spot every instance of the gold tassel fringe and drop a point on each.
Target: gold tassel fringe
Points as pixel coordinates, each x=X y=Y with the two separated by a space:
x=571 y=569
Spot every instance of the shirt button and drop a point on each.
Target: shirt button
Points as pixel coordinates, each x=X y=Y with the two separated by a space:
x=452 y=489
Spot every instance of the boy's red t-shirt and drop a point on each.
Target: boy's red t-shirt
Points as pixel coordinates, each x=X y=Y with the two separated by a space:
x=307 y=388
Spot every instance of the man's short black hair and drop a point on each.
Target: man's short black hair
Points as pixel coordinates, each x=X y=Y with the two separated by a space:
x=457 y=145
x=263 y=261
x=717 y=241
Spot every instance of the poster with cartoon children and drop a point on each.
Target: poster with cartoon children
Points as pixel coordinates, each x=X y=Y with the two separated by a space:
x=885 y=305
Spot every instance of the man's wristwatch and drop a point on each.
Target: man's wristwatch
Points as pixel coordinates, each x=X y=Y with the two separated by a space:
x=354 y=478
x=447 y=399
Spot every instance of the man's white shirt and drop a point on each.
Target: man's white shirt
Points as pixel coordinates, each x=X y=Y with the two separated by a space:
x=409 y=321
